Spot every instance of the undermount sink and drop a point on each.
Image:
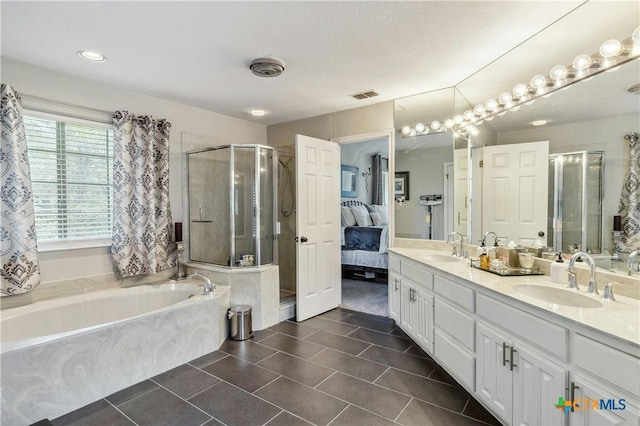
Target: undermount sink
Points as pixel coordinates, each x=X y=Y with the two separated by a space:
x=441 y=258
x=558 y=296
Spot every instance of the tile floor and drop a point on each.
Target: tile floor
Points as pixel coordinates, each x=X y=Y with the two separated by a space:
x=339 y=368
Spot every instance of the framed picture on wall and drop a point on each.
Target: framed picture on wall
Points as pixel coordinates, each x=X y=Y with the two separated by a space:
x=401 y=186
x=349 y=181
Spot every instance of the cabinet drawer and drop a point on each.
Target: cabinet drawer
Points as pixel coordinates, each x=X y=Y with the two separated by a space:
x=394 y=262
x=417 y=274
x=460 y=363
x=456 y=323
x=607 y=363
x=548 y=336
x=457 y=293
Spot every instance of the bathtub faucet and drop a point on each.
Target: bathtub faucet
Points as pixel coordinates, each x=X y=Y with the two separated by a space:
x=208 y=285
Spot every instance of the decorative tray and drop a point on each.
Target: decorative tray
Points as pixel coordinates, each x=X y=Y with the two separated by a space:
x=509 y=271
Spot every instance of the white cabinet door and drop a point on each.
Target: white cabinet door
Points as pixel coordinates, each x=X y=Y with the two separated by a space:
x=394 y=296
x=423 y=305
x=407 y=313
x=584 y=414
x=494 y=379
x=537 y=384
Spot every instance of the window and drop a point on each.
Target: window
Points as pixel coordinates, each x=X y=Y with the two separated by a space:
x=71 y=172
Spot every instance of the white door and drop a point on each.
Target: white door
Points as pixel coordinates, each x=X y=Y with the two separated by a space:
x=318 y=270
x=448 y=199
x=514 y=192
x=461 y=191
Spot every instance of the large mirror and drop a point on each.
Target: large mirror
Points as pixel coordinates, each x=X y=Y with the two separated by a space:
x=578 y=147
x=424 y=184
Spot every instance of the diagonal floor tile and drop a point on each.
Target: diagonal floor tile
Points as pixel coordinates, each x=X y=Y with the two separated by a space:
x=349 y=364
x=98 y=413
x=336 y=314
x=293 y=346
x=477 y=411
x=453 y=398
x=331 y=326
x=233 y=406
x=399 y=360
x=245 y=375
x=294 y=329
x=185 y=380
x=424 y=414
x=247 y=350
x=161 y=407
x=384 y=402
x=371 y=322
x=381 y=339
x=296 y=368
x=208 y=359
x=131 y=392
x=287 y=419
x=310 y=404
x=341 y=343
x=355 y=416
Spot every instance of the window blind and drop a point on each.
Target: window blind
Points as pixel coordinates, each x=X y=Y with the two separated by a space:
x=71 y=170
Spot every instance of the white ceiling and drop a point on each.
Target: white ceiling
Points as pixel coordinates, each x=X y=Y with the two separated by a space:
x=197 y=53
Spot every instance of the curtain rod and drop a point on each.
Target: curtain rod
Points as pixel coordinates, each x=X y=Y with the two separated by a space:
x=52 y=101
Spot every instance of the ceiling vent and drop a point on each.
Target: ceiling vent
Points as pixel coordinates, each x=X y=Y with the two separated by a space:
x=267 y=67
x=365 y=95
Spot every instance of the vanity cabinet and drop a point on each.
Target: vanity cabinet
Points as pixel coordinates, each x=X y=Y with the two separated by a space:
x=583 y=391
x=411 y=300
x=517 y=382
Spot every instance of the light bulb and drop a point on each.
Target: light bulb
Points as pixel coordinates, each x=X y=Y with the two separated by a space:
x=435 y=125
x=479 y=110
x=457 y=119
x=468 y=115
x=420 y=127
x=405 y=130
x=610 y=48
x=448 y=123
x=582 y=62
x=558 y=72
x=505 y=98
x=474 y=131
x=538 y=81
x=520 y=90
x=412 y=132
x=491 y=104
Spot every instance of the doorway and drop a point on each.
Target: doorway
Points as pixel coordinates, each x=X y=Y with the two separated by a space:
x=365 y=263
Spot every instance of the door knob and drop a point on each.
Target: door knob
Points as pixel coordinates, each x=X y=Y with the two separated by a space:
x=303 y=239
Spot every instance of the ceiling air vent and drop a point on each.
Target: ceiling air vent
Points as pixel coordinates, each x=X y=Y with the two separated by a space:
x=365 y=95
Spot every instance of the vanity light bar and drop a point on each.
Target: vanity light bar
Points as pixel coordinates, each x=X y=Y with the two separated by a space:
x=612 y=53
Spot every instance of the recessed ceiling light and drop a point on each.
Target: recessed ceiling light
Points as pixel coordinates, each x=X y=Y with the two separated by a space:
x=92 y=56
x=539 y=122
x=257 y=112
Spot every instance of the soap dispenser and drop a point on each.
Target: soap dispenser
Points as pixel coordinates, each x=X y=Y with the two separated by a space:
x=559 y=270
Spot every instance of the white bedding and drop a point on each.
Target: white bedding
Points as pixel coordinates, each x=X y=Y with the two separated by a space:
x=365 y=258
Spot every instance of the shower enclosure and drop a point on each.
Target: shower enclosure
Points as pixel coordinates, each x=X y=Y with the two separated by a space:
x=232 y=205
x=575 y=201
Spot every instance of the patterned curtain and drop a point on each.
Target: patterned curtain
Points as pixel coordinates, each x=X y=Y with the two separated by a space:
x=142 y=241
x=18 y=247
x=380 y=164
x=629 y=207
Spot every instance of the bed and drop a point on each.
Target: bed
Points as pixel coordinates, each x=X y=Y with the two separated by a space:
x=365 y=240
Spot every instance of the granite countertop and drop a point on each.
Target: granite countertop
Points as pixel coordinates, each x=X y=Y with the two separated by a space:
x=619 y=318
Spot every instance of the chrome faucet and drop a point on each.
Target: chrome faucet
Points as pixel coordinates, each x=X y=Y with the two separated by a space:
x=631 y=261
x=208 y=285
x=593 y=287
x=495 y=238
x=449 y=240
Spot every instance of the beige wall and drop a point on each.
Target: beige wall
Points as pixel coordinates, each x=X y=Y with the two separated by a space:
x=356 y=121
x=184 y=119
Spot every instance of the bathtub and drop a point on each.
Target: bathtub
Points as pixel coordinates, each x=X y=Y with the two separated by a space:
x=61 y=354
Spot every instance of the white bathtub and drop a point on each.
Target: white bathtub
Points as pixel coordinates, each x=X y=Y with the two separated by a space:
x=59 y=355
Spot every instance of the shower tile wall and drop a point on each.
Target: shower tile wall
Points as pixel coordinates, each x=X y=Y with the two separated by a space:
x=286 y=239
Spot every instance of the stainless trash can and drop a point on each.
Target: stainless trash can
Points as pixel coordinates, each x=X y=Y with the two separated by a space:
x=240 y=322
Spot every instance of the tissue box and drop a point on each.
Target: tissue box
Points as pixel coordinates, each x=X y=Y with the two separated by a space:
x=511 y=254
